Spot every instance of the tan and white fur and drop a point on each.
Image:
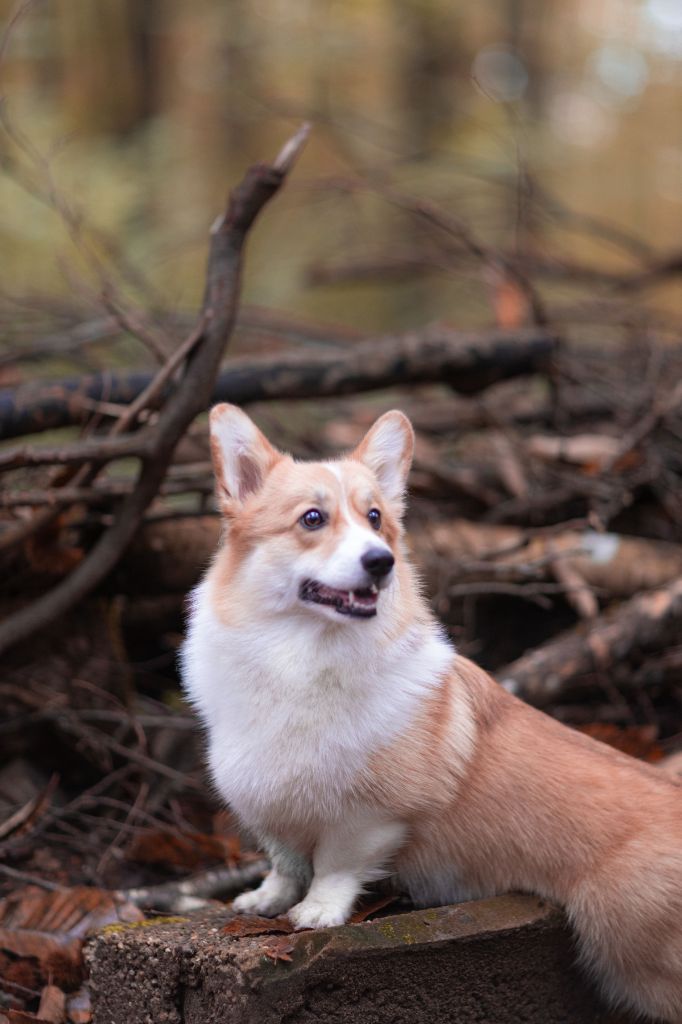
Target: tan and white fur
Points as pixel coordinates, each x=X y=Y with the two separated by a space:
x=348 y=735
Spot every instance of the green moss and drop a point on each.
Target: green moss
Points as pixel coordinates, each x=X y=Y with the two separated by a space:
x=125 y=926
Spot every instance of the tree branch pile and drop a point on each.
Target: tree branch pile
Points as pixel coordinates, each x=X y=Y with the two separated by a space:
x=545 y=516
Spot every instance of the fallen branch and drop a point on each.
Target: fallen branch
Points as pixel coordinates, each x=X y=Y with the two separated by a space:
x=615 y=565
x=195 y=893
x=27 y=879
x=425 y=261
x=647 y=623
x=190 y=397
x=94 y=450
x=468 y=361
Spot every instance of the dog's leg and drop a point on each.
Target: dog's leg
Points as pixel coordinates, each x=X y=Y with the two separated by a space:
x=281 y=887
x=346 y=856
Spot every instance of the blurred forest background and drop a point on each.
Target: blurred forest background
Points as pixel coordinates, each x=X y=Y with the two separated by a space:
x=148 y=109
x=484 y=229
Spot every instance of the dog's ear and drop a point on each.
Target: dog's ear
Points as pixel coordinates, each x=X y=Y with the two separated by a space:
x=242 y=456
x=387 y=449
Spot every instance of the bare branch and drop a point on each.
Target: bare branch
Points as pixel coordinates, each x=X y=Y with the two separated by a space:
x=96 y=450
x=291 y=150
x=21 y=8
x=646 y=623
x=194 y=893
x=191 y=396
x=467 y=360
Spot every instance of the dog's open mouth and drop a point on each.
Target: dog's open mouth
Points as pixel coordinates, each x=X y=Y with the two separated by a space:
x=361 y=604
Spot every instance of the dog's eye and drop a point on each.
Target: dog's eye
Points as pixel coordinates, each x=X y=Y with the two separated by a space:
x=374 y=516
x=312 y=519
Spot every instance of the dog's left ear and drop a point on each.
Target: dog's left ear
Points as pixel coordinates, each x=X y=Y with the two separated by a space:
x=387 y=449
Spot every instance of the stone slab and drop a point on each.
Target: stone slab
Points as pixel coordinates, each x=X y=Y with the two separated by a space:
x=499 y=961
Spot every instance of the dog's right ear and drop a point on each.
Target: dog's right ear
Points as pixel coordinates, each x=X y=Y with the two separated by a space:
x=242 y=456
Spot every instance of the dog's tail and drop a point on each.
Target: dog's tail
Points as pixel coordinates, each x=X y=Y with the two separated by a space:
x=629 y=926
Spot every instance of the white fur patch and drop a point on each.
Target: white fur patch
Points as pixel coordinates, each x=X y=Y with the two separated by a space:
x=344 y=569
x=275 y=895
x=295 y=707
x=347 y=855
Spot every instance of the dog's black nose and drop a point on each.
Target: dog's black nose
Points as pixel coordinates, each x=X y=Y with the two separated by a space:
x=378 y=562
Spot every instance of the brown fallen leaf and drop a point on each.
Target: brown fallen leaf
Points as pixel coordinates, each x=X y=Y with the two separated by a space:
x=363 y=912
x=182 y=849
x=251 y=924
x=279 y=948
x=57 y=955
x=51 y=927
x=21 y=971
x=52 y=1005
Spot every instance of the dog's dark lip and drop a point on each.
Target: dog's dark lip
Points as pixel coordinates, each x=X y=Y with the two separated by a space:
x=358 y=604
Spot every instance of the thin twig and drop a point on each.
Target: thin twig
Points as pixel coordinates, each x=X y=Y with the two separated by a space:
x=97 y=450
x=27 y=879
x=19 y=11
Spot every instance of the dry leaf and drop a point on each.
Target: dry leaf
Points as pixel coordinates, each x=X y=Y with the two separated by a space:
x=58 y=955
x=52 y=1005
x=182 y=849
x=280 y=948
x=22 y=971
x=363 y=912
x=251 y=924
x=51 y=926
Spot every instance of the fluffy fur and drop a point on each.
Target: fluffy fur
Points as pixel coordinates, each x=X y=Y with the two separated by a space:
x=357 y=743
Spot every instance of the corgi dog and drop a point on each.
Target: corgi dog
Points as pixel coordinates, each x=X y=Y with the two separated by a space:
x=353 y=741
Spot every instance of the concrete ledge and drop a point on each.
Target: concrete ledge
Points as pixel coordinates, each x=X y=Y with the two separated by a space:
x=498 y=961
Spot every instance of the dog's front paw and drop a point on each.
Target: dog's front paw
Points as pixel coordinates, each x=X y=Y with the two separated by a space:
x=257 y=902
x=317 y=913
x=275 y=894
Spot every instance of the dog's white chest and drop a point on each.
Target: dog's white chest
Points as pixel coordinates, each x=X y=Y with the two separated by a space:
x=284 y=744
x=295 y=758
x=293 y=715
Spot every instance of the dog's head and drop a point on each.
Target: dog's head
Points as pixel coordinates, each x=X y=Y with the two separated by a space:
x=317 y=537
